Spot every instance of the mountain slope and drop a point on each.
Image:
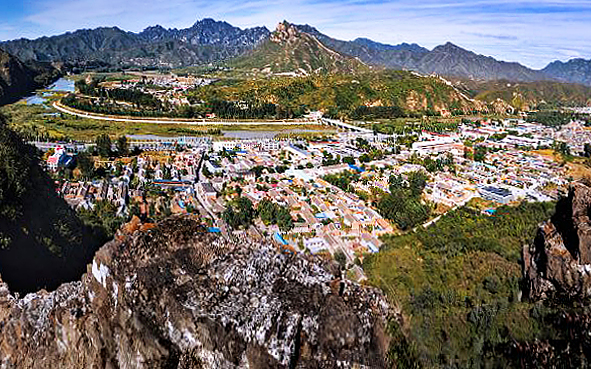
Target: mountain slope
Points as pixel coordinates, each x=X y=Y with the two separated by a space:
x=368 y=51
x=452 y=60
x=18 y=78
x=15 y=78
x=528 y=95
x=291 y=51
x=445 y=60
x=574 y=71
x=42 y=241
x=368 y=95
x=206 y=41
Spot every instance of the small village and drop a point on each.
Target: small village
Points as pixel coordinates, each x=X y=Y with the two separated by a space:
x=499 y=163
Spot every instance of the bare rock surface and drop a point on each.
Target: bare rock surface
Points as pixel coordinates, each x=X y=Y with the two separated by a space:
x=558 y=263
x=176 y=296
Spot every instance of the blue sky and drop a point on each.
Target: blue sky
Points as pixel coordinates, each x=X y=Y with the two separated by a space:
x=532 y=32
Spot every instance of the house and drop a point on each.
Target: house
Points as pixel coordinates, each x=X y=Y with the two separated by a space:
x=438 y=146
x=59 y=159
x=315 y=245
x=497 y=194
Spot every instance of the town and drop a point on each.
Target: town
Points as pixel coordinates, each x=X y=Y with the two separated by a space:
x=323 y=196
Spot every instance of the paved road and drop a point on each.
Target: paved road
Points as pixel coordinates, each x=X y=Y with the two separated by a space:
x=67 y=110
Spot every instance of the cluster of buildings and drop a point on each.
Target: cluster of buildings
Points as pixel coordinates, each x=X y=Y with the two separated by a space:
x=206 y=175
x=153 y=184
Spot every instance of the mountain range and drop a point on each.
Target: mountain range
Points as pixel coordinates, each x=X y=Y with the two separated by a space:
x=210 y=41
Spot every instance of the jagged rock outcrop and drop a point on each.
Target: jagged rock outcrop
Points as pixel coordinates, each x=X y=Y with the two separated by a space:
x=176 y=296
x=558 y=263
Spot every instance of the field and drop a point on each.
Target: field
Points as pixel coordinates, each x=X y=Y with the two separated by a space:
x=37 y=121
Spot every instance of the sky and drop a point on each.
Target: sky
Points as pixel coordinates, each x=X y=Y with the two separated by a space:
x=532 y=32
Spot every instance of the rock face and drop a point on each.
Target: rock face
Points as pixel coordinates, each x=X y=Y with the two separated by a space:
x=558 y=263
x=16 y=79
x=176 y=296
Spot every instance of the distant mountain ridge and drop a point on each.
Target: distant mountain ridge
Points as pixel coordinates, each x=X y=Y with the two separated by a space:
x=573 y=71
x=209 y=41
x=206 y=41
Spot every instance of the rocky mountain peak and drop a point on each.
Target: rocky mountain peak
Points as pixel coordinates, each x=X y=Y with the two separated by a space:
x=449 y=47
x=285 y=32
x=175 y=296
x=558 y=262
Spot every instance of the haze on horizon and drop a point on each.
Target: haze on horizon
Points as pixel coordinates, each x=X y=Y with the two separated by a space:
x=532 y=32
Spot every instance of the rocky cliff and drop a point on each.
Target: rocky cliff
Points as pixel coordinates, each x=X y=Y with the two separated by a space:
x=558 y=263
x=176 y=296
x=18 y=78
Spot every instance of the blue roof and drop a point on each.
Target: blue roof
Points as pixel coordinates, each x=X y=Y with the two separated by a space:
x=356 y=168
x=301 y=151
x=213 y=230
x=372 y=248
x=279 y=239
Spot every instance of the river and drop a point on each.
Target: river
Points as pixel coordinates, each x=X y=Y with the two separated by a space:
x=238 y=134
x=61 y=85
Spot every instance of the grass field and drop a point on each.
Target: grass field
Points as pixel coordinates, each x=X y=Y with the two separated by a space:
x=43 y=122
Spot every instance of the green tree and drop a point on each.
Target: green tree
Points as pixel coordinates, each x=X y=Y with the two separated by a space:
x=239 y=213
x=480 y=153
x=86 y=165
x=122 y=146
x=417 y=182
x=284 y=220
x=562 y=148
x=341 y=258
x=267 y=210
x=103 y=145
x=349 y=160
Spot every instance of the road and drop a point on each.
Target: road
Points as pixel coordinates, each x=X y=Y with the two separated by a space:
x=217 y=222
x=110 y=118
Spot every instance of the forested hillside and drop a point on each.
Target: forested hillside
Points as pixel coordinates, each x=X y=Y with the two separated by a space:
x=370 y=95
x=42 y=241
x=18 y=78
x=457 y=283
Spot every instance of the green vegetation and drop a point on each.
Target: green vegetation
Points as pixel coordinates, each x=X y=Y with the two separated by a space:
x=272 y=213
x=457 y=283
x=415 y=126
x=343 y=180
x=403 y=205
x=552 y=118
x=136 y=97
x=103 y=145
x=102 y=216
x=239 y=213
x=43 y=241
x=33 y=122
x=341 y=95
x=526 y=96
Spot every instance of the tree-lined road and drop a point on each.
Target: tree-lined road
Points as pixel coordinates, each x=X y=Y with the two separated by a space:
x=81 y=114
